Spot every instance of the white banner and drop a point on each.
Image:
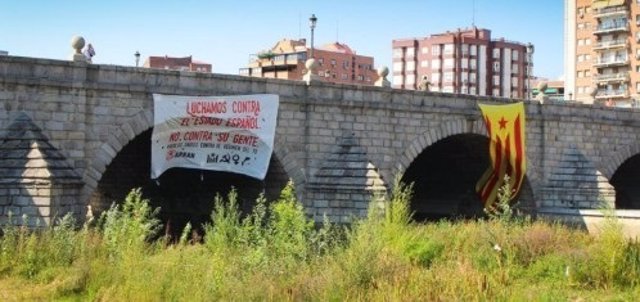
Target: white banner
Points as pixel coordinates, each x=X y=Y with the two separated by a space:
x=220 y=133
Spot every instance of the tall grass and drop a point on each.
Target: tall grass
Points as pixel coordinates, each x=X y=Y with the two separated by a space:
x=275 y=253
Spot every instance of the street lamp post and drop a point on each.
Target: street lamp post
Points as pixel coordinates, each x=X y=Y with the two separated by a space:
x=312 y=25
x=529 y=69
x=137 y=55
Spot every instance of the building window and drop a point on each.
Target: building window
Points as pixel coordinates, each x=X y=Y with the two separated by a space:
x=345 y=64
x=514 y=82
x=472 y=90
x=464 y=63
x=333 y=62
x=496 y=66
x=320 y=61
x=580 y=74
x=424 y=63
x=447 y=89
x=472 y=64
x=411 y=52
x=514 y=55
x=472 y=78
x=587 y=73
x=465 y=49
x=397 y=53
x=496 y=80
x=397 y=80
x=448 y=77
x=410 y=79
x=496 y=92
x=473 y=50
x=580 y=42
x=345 y=76
x=425 y=50
x=448 y=63
x=637 y=87
x=435 y=64
x=410 y=66
x=514 y=68
x=587 y=41
x=435 y=50
x=496 y=53
x=435 y=78
x=397 y=67
x=448 y=49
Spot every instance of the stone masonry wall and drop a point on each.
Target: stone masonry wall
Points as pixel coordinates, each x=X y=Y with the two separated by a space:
x=90 y=112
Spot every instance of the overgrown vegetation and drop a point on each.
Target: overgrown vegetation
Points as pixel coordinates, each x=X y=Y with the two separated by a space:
x=275 y=253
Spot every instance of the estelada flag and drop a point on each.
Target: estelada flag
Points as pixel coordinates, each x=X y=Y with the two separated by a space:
x=505 y=128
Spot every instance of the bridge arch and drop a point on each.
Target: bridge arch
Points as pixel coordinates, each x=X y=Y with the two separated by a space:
x=623 y=172
x=141 y=124
x=444 y=164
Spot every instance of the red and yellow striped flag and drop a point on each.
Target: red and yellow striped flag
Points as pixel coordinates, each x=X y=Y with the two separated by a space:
x=505 y=128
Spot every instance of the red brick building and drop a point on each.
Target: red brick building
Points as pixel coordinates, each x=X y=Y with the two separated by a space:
x=464 y=61
x=337 y=63
x=184 y=63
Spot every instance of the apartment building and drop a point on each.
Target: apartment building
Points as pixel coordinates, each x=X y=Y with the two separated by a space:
x=602 y=57
x=177 y=63
x=465 y=61
x=337 y=63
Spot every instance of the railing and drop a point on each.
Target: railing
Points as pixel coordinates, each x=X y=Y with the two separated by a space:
x=612 y=60
x=609 y=44
x=622 y=76
x=612 y=26
x=611 y=93
x=614 y=10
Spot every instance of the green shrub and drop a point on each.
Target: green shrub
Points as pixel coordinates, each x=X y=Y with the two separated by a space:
x=128 y=228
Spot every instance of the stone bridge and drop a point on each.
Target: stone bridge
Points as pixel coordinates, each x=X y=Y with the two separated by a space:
x=74 y=135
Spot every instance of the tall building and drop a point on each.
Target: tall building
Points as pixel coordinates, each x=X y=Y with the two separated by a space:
x=464 y=61
x=600 y=51
x=174 y=63
x=337 y=63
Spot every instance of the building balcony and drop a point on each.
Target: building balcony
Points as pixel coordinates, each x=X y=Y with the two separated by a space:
x=619 y=43
x=610 y=11
x=614 y=77
x=611 y=27
x=611 y=61
x=612 y=93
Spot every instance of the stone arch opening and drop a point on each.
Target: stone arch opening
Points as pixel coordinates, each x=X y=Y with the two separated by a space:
x=183 y=195
x=444 y=177
x=625 y=182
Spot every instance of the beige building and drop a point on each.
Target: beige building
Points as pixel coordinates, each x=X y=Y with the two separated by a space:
x=602 y=59
x=337 y=63
x=464 y=61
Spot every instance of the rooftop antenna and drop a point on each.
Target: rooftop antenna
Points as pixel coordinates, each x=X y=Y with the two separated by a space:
x=473 y=14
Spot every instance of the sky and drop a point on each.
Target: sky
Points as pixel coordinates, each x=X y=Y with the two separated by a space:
x=226 y=33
